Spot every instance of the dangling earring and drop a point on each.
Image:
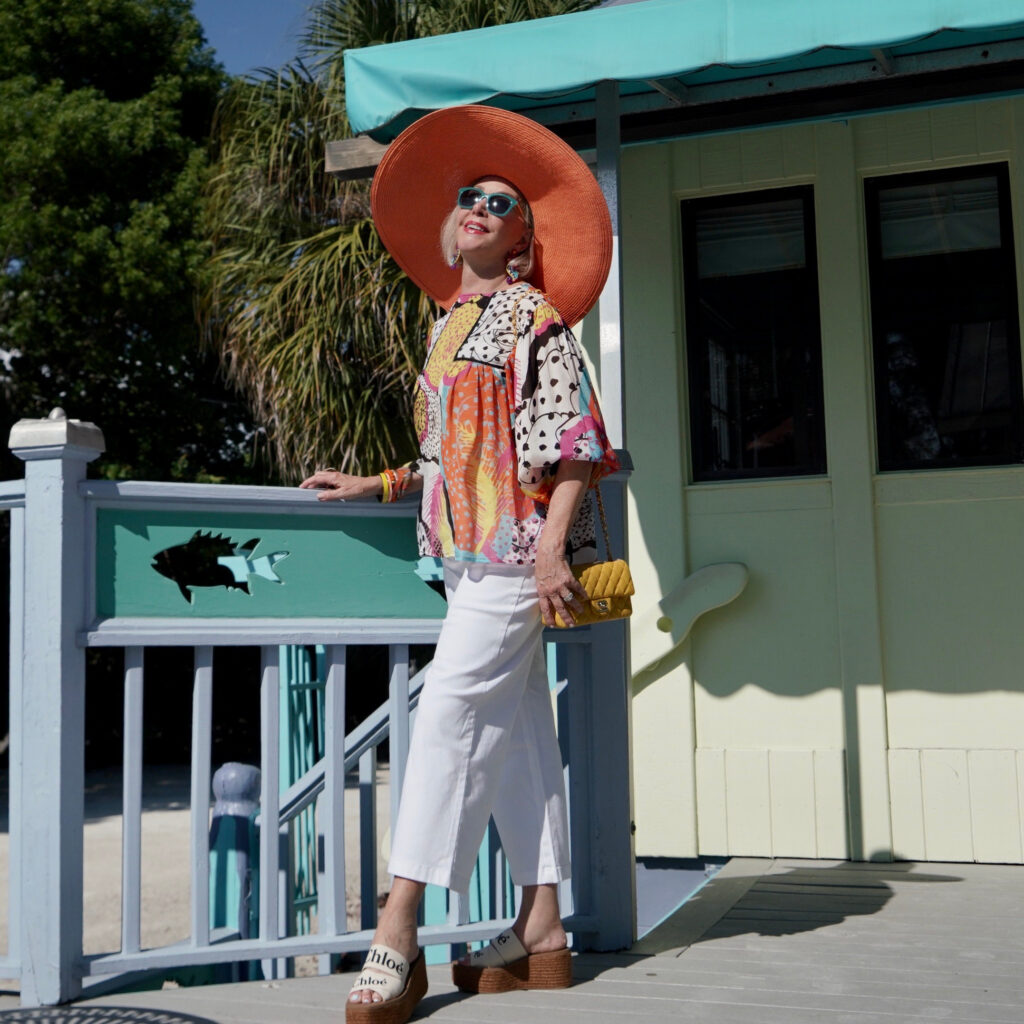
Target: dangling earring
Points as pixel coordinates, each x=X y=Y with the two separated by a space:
x=456 y=259
x=511 y=273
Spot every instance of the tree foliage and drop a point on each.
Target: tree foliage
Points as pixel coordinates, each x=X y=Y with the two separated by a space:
x=105 y=112
x=311 y=316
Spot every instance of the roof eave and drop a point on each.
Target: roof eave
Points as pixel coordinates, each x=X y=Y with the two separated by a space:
x=673 y=108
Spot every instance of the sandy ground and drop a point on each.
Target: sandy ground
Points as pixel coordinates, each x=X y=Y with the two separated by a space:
x=165 y=859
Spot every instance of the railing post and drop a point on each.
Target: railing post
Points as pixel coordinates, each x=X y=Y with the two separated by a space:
x=612 y=882
x=14 y=663
x=52 y=719
x=611 y=855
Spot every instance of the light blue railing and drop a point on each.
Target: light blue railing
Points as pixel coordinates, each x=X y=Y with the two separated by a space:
x=302 y=739
x=61 y=604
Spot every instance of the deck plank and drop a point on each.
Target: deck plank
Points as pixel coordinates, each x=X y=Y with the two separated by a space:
x=766 y=942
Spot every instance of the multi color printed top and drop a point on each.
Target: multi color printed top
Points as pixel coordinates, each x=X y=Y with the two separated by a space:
x=496 y=410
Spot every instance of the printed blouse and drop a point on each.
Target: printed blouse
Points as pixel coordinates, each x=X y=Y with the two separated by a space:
x=495 y=411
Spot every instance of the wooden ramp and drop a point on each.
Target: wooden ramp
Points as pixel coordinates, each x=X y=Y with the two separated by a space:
x=765 y=942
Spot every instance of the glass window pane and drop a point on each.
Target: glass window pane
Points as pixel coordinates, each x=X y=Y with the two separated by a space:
x=944 y=312
x=943 y=217
x=752 y=336
x=751 y=239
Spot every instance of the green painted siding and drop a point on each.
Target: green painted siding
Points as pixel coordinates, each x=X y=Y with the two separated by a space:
x=864 y=695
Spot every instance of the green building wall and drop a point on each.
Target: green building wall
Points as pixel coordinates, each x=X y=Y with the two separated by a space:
x=863 y=696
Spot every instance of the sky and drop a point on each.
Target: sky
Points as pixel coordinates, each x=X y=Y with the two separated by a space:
x=250 y=34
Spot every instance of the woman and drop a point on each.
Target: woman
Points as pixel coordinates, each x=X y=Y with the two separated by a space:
x=510 y=438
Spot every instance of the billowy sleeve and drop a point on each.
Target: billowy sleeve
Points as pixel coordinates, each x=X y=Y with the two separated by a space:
x=555 y=415
x=396 y=482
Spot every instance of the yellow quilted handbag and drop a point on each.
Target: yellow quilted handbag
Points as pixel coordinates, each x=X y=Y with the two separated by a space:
x=609 y=586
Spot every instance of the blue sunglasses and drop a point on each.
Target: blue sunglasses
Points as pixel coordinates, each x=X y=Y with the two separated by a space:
x=500 y=204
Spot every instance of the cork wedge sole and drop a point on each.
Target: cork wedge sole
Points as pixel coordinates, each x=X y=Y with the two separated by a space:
x=538 y=970
x=392 y=1011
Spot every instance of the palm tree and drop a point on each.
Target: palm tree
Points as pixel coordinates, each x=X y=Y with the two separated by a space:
x=313 y=320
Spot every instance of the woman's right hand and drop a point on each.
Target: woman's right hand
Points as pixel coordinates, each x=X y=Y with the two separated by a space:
x=336 y=486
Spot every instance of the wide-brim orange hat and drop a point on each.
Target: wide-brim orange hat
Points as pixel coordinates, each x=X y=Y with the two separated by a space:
x=415 y=187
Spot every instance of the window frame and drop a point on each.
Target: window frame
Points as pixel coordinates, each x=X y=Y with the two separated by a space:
x=696 y=371
x=873 y=186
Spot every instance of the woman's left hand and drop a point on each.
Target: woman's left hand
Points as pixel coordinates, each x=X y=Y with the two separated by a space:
x=335 y=486
x=559 y=591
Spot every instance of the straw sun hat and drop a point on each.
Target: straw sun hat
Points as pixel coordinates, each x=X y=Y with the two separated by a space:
x=415 y=187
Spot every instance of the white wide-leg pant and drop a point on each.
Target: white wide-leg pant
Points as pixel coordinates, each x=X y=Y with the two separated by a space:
x=484 y=741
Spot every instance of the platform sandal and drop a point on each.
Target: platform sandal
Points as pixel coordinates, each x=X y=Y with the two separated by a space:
x=400 y=985
x=505 y=965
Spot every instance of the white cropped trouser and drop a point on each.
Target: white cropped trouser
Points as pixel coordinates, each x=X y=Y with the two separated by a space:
x=484 y=741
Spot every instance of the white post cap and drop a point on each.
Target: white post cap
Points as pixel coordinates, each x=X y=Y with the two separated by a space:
x=54 y=437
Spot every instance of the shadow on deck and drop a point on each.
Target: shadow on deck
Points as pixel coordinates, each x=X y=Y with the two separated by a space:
x=764 y=942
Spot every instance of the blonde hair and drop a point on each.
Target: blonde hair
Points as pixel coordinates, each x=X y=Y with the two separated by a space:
x=522 y=262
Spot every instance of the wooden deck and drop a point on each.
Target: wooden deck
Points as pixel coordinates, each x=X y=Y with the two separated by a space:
x=765 y=942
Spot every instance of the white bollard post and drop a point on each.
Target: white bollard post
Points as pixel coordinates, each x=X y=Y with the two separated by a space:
x=52 y=715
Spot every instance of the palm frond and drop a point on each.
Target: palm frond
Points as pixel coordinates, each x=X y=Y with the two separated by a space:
x=312 y=319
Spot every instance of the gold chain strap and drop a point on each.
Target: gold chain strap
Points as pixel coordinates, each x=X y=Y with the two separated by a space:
x=597 y=487
x=604 y=523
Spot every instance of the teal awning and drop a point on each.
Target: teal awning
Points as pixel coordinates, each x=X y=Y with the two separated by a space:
x=661 y=50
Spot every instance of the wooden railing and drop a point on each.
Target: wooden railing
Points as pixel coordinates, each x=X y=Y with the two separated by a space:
x=82 y=575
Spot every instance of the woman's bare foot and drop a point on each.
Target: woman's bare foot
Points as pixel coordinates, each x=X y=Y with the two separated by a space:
x=396 y=928
x=539 y=924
